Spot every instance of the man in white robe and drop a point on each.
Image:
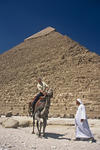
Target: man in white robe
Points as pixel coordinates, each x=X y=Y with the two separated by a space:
x=82 y=128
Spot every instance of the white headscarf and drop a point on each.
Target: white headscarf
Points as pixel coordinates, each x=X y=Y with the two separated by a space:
x=79 y=100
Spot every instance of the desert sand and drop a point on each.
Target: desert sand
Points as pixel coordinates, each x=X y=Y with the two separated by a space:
x=60 y=135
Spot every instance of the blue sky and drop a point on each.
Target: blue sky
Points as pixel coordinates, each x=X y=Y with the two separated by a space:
x=79 y=19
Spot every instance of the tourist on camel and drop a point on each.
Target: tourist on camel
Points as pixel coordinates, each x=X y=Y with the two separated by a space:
x=42 y=88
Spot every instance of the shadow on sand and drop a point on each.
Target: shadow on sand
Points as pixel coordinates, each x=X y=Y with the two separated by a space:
x=56 y=136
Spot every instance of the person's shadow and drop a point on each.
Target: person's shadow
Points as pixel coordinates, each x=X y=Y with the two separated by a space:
x=56 y=136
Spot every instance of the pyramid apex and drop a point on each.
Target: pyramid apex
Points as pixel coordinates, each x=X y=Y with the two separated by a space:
x=41 y=33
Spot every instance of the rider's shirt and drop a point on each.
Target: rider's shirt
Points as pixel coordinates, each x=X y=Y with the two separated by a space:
x=42 y=86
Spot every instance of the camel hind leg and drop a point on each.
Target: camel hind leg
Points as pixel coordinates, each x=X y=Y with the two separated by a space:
x=33 y=124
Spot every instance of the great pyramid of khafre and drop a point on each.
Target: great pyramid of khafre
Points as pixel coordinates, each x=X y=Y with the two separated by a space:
x=71 y=70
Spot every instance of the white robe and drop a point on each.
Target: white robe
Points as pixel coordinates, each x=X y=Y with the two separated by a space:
x=82 y=128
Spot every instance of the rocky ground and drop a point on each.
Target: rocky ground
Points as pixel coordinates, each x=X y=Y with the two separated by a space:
x=60 y=134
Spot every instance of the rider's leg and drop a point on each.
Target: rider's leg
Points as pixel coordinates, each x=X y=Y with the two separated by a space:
x=36 y=99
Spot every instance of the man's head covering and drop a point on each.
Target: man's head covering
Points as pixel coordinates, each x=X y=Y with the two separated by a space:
x=39 y=79
x=79 y=100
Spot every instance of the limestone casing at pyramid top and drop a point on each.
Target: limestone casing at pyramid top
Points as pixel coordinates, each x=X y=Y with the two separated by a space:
x=41 y=33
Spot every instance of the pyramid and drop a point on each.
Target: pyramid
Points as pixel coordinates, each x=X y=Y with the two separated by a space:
x=70 y=69
x=44 y=32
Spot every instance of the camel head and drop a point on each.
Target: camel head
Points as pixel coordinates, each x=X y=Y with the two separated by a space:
x=50 y=93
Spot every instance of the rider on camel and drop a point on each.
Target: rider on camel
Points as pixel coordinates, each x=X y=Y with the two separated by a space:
x=42 y=87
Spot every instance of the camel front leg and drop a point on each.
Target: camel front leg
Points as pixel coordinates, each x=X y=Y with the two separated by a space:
x=39 y=128
x=44 y=125
x=41 y=124
x=38 y=122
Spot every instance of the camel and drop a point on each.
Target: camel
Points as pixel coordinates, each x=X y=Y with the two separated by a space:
x=41 y=112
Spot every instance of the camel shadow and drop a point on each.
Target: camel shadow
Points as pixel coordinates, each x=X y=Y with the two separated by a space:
x=56 y=136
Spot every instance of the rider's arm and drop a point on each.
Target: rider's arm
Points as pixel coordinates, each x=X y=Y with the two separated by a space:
x=46 y=86
x=40 y=89
x=44 y=93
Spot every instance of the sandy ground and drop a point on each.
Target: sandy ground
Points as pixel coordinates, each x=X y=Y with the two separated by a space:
x=58 y=137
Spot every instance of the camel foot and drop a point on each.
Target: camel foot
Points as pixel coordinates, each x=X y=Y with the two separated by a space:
x=43 y=135
x=38 y=134
x=33 y=132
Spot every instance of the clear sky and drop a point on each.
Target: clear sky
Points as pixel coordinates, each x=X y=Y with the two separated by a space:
x=79 y=19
